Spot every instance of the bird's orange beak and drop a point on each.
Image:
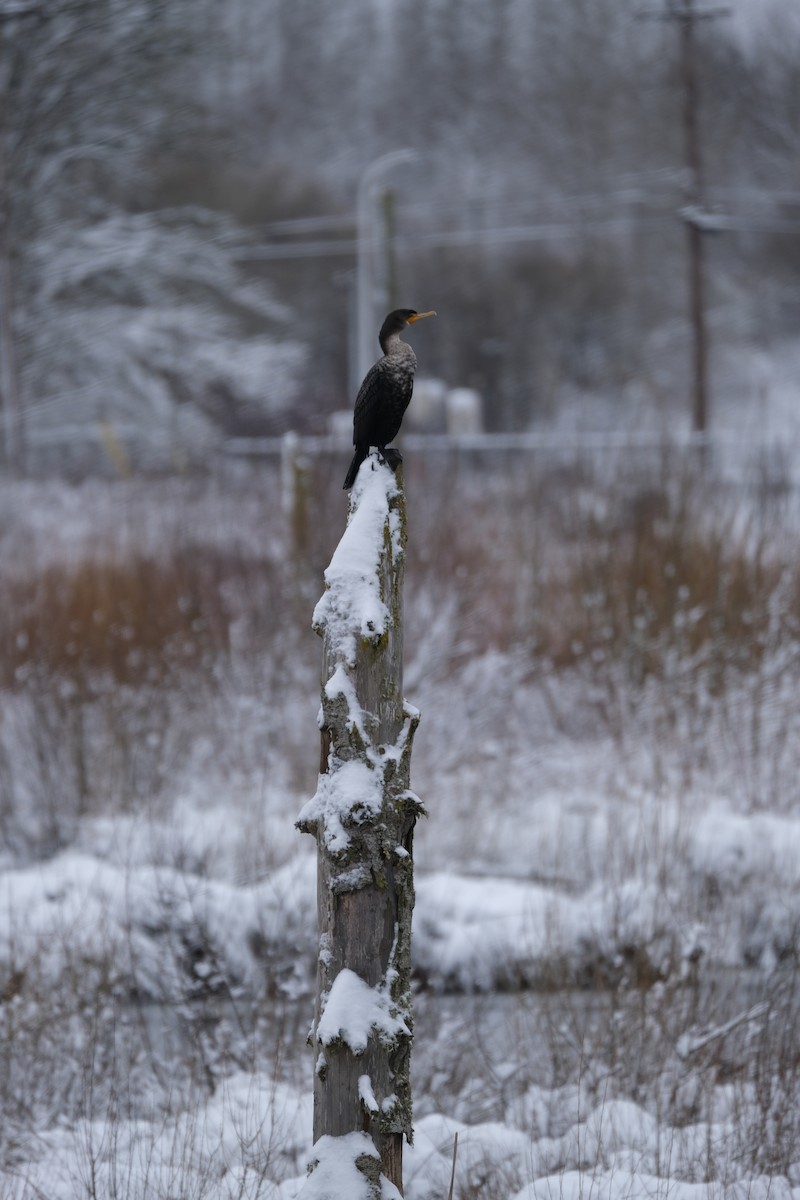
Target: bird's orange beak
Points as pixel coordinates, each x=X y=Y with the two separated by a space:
x=419 y=316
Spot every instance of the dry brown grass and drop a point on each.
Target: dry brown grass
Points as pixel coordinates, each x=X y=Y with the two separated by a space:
x=631 y=572
x=575 y=568
x=137 y=619
x=669 y=583
x=117 y=667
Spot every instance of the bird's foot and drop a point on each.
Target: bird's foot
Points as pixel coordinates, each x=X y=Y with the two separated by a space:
x=391 y=457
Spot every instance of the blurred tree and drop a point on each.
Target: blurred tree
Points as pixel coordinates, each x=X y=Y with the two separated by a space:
x=142 y=319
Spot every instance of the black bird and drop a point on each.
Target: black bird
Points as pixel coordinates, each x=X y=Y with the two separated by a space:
x=385 y=393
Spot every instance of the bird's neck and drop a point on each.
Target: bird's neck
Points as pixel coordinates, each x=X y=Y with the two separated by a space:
x=394 y=344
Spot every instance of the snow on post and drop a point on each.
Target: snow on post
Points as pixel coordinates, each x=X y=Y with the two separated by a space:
x=363 y=818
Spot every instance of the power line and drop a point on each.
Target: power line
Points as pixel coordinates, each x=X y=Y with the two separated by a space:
x=629 y=189
x=707 y=221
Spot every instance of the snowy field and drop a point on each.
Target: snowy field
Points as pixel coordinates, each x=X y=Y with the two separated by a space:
x=606 y=654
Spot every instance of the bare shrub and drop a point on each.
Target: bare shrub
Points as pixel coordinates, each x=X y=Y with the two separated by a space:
x=640 y=578
x=116 y=667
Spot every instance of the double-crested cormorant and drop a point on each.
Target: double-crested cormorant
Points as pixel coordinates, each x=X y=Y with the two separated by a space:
x=385 y=393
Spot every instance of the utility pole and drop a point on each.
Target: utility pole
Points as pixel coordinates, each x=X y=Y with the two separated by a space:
x=694 y=197
x=694 y=215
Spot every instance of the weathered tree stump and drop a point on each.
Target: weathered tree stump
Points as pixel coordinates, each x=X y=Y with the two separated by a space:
x=363 y=817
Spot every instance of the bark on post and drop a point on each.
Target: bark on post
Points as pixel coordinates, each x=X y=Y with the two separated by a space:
x=363 y=817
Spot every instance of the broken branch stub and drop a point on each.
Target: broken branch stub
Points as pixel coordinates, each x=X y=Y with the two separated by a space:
x=363 y=817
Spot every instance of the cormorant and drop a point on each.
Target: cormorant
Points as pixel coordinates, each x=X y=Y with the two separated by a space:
x=385 y=393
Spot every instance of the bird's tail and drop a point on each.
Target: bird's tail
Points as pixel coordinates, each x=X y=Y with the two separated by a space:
x=358 y=458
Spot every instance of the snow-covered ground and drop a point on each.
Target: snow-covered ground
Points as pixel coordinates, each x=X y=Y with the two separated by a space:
x=607 y=924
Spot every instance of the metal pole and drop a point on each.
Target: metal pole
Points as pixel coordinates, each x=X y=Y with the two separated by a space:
x=366 y=322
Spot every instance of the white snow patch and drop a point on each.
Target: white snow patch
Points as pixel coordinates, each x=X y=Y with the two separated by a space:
x=348 y=795
x=340 y=684
x=366 y=1094
x=354 y=1010
x=75 y=907
x=250 y=1120
x=335 y=1175
x=351 y=608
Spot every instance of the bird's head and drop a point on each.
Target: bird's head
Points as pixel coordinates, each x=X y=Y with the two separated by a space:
x=397 y=321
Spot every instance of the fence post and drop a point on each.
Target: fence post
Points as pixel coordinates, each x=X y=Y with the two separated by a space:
x=363 y=817
x=295 y=488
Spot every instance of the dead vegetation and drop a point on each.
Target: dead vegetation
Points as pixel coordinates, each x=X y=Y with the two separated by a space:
x=126 y=674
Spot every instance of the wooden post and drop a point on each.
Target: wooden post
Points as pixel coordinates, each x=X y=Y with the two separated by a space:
x=363 y=817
